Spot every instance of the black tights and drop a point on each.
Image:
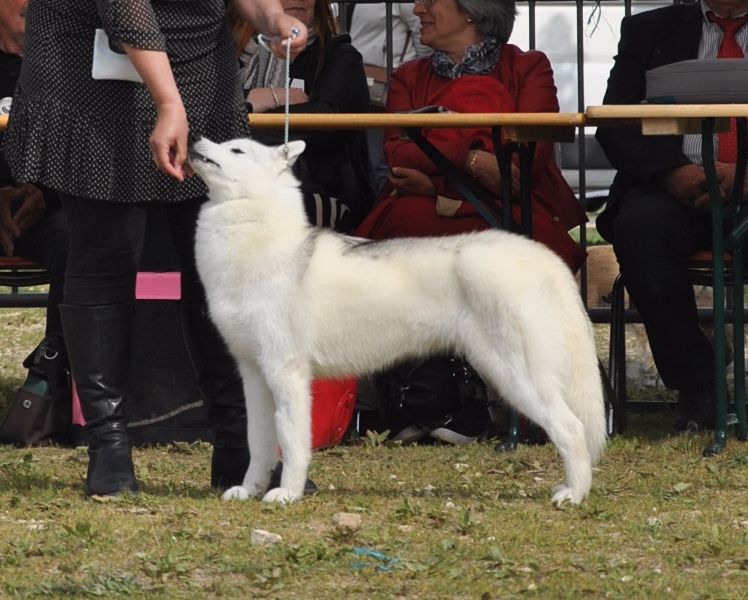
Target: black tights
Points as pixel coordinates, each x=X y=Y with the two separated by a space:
x=106 y=242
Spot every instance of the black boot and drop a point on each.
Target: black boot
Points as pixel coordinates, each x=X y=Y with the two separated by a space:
x=98 y=343
x=223 y=393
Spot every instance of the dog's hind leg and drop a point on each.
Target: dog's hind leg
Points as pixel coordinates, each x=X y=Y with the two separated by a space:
x=293 y=422
x=261 y=435
x=546 y=407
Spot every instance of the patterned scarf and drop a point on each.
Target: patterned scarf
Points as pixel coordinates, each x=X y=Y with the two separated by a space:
x=261 y=68
x=478 y=59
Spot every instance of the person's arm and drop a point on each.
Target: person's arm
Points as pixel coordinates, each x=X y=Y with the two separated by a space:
x=405 y=95
x=267 y=17
x=146 y=49
x=470 y=94
x=168 y=140
x=641 y=159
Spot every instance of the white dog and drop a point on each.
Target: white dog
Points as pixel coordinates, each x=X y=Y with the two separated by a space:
x=295 y=302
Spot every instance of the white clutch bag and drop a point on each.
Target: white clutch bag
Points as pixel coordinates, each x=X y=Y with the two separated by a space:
x=108 y=64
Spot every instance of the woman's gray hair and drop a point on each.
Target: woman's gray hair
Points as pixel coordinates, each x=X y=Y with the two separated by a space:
x=491 y=17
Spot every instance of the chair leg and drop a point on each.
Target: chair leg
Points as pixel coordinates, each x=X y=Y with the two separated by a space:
x=617 y=358
x=738 y=357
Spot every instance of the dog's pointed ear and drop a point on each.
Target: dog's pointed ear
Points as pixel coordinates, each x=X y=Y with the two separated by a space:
x=295 y=148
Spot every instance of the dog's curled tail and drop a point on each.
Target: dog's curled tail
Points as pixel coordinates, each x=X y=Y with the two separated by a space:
x=585 y=393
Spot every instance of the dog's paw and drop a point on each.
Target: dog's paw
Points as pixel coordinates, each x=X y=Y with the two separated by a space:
x=563 y=493
x=281 y=496
x=236 y=492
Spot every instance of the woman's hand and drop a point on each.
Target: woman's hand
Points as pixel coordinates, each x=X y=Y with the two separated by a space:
x=281 y=27
x=168 y=140
x=484 y=167
x=268 y=18
x=265 y=99
x=412 y=181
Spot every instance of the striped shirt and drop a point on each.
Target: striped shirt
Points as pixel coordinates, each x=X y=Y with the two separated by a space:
x=711 y=38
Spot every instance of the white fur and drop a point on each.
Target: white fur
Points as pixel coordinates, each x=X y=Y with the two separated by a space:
x=293 y=303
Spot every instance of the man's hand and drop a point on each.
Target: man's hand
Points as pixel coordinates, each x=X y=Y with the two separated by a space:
x=687 y=184
x=14 y=223
x=8 y=228
x=32 y=207
x=726 y=179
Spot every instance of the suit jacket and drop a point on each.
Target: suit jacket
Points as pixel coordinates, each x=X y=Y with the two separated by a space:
x=648 y=40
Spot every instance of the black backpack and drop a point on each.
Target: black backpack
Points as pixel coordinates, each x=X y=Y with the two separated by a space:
x=440 y=398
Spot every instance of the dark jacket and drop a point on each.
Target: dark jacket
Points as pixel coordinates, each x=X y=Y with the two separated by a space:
x=648 y=40
x=337 y=160
x=10 y=69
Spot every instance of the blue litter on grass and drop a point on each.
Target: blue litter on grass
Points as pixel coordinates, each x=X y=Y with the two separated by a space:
x=379 y=561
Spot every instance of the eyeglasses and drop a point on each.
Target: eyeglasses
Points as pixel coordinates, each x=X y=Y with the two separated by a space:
x=424 y=3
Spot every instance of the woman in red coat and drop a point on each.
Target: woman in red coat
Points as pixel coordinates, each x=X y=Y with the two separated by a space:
x=473 y=69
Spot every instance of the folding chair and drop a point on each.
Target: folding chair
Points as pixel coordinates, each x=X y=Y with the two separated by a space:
x=17 y=272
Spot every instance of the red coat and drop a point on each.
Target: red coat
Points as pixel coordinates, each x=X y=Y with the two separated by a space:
x=521 y=82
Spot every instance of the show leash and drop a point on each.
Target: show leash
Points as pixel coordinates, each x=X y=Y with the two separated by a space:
x=263 y=41
x=287 y=111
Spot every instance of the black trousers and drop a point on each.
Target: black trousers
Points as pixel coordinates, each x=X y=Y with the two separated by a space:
x=106 y=243
x=653 y=237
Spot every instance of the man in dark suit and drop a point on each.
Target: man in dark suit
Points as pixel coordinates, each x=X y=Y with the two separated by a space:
x=658 y=209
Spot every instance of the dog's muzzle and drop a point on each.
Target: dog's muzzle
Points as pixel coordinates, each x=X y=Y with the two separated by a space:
x=194 y=156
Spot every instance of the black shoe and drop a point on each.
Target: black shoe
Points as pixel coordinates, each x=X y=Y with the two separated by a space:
x=275 y=480
x=110 y=468
x=228 y=467
x=696 y=409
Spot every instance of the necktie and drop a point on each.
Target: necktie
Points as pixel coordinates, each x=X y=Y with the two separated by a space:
x=729 y=48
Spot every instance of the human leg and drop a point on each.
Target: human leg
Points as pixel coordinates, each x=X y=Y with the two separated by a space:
x=654 y=236
x=105 y=244
x=217 y=374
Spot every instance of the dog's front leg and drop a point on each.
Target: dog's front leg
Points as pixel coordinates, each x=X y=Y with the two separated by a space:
x=261 y=435
x=293 y=424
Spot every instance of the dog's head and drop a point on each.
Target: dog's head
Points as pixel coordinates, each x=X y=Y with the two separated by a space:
x=239 y=168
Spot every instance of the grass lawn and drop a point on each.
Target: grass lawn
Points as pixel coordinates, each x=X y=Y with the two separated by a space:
x=436 y=521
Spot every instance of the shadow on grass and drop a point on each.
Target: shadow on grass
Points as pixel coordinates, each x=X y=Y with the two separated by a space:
x=182 y=490
x=24 y=482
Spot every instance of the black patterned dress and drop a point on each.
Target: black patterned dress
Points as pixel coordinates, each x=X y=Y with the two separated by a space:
x=89 y=137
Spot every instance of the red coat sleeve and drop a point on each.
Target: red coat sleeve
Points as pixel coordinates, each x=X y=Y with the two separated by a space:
x=468 y=94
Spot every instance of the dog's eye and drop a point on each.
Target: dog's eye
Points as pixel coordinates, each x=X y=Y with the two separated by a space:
x=237 y=151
